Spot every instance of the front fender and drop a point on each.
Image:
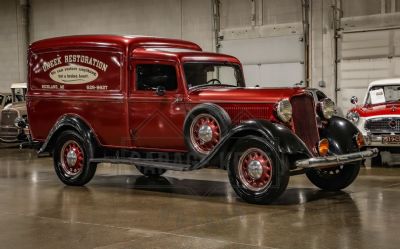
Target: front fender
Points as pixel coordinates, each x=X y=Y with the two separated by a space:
x=341 y=135
x=281 y=137
x=68 y=122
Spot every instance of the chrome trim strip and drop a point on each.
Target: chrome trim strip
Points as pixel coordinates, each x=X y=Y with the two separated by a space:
x=318 y=162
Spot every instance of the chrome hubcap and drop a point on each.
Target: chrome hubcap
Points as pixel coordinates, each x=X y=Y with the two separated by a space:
x=255 y=169
x=205 y=133
x=71 y=158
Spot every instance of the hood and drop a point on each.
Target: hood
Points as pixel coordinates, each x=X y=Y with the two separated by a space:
x=378 y=109
x=20 y=106
x=250 y=94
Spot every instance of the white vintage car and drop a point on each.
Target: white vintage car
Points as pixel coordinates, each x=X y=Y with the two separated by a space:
x=13 y=110
x=378 y=116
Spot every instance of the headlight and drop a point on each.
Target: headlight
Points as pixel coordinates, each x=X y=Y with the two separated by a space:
x=353 y=117
x=284 y=110
x=327 y=108
x=20 y=122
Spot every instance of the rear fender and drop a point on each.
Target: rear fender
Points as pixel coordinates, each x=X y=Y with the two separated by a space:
x=69 y=122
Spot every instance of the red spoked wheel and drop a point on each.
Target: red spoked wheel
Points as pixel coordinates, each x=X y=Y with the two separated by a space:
x=71 y=156
x=72 y=159
x=255 y=169
x=257 y=172
x=205 y=133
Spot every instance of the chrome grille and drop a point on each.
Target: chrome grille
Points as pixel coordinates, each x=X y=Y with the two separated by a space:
x=8 y=117
x=383 y=125
x=304 y=120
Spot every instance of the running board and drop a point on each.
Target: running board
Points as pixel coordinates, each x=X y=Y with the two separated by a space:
x=144 y=163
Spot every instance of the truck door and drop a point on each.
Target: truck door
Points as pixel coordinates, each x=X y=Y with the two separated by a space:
x=156 y=107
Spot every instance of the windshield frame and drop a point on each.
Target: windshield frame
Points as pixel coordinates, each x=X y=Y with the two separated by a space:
x=235 y=66
x=368 y=98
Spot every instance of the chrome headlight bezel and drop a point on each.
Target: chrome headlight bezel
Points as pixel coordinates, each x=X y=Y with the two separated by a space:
x=327 y=108
x=354 y=117
x=284 y=110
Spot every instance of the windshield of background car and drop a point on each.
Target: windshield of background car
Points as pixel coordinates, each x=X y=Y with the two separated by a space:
x=19 y=98
x=383 y=94
x=200 y=74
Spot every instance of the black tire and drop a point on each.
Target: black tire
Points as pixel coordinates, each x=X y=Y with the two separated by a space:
x=211 y=111
x=377 y=161
x=150 y=172
x=277 y=181
x=335 y=178
x=67 y=141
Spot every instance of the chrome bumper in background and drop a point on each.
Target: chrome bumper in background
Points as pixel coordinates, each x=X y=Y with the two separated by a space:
x=320 y=162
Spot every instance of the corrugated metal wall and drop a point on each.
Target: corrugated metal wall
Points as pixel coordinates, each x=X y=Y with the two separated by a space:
x=369 y=47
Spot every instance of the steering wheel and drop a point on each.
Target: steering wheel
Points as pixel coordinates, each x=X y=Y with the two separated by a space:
x=214 y=81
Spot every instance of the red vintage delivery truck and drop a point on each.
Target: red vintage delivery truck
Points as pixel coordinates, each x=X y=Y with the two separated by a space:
x=164 y=104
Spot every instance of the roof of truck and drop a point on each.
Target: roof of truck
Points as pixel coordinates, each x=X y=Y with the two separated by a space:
x=114 y=41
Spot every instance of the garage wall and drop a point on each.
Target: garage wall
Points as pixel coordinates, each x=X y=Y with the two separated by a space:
x=368 y=47
x=184 y=19
x=12 y=44
x=267 y=37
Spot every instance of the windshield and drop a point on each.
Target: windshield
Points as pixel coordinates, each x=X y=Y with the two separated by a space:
x=19 y=98
x=383 y=94
x=199 y=74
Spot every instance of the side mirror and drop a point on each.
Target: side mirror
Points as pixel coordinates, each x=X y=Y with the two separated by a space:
x=354 y=100
x=160 y=90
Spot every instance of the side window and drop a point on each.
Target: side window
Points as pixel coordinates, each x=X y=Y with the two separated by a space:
x=150 y=76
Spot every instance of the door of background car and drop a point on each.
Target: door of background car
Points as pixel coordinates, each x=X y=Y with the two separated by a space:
x=156 y=118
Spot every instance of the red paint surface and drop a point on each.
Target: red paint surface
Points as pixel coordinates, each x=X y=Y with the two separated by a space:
x=392 y=108
x=122 y=116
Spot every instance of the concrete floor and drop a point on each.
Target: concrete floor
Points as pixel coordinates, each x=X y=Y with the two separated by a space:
x=121 y=209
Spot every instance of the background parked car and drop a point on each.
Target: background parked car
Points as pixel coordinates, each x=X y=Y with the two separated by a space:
x=16 y=108
x=378 y=117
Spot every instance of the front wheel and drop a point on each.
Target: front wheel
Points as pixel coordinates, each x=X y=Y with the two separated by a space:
x=256 y=171
x=335 y=178
x=71 y=159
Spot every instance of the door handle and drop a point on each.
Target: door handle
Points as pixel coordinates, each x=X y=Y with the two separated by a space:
x=178 y=99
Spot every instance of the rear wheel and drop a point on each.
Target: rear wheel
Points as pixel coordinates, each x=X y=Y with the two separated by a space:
x=256 y=171
x=151 y=172
x=377 y=161
x=71 y=159
x=335 y=178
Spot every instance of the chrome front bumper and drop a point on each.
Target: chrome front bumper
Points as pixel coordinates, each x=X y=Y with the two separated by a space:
x=321 y=162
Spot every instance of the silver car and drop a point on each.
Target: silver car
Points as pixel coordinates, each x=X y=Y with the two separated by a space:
x=15 y=108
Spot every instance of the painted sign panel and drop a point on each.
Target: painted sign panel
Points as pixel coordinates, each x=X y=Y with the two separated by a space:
x=76 y=70
x=74 y=74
